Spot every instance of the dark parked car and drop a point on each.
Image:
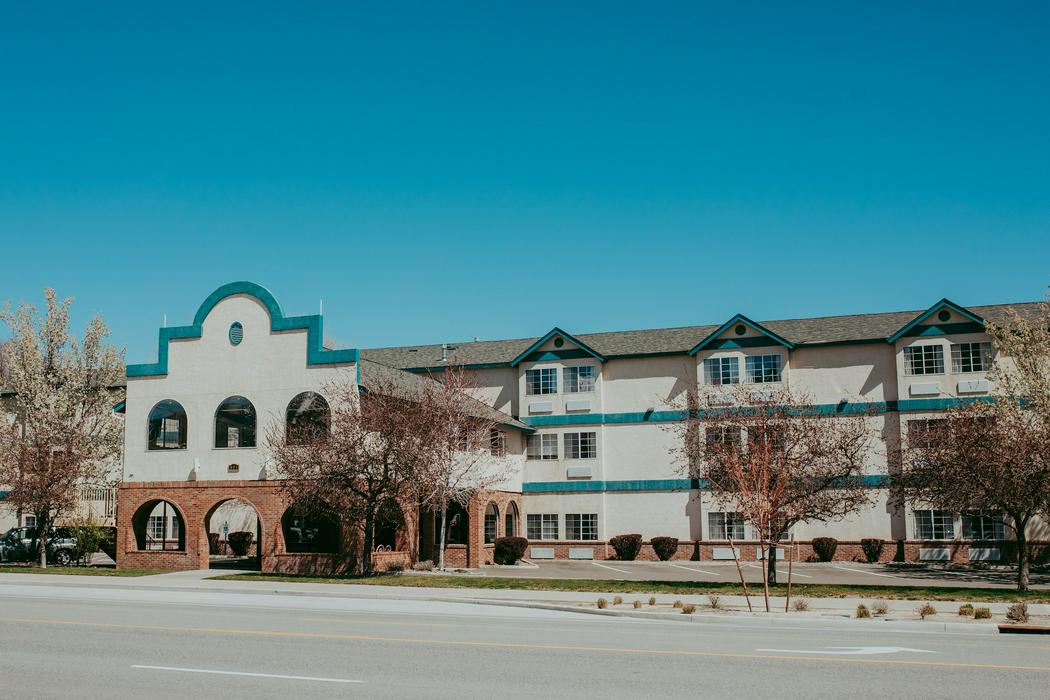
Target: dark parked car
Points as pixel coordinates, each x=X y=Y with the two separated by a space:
x=20 y=544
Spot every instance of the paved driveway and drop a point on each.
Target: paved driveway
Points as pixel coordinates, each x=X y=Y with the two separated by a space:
x=803 y=572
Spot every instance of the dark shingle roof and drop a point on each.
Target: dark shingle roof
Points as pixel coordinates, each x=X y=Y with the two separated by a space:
x=801 y=331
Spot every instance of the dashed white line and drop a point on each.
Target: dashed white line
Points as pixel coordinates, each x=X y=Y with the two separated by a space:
x=862 y=571
x=612 y=568
x=244 y=673
x=689 y=568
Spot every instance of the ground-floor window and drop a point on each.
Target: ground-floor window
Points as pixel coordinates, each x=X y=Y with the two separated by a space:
x=983 y=525
x=491 y=523
x=581 y=526
x=541 y=526
x=724 y=526
x=29 y=520
x=934 y=525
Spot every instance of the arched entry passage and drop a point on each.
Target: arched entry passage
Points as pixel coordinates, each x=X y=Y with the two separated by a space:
x=234 y=532
x=158 y=526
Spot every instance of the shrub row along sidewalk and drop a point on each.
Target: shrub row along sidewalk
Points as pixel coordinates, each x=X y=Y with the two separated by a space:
x=812 y=590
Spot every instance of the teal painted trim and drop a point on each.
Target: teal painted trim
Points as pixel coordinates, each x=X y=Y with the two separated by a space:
x=120 y=407
x=929 y=312
x=740 y=318
x=550 y=334
x=940 y=404
x=604 y=418
x=551 y=355
x=316 y=354
x=942 y=329
x=730 y=343
x=636 y=485
x=438 y=369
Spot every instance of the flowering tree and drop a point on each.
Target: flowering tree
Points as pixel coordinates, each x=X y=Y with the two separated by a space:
x=770 y=459
x=367 y=454
x=990 y=460
x=62 y=432
x=464 y=453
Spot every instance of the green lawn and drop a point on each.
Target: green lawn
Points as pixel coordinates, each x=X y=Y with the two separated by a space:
x=668 y=587
x=76 y=570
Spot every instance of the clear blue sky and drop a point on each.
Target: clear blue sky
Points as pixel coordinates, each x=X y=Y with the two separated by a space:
x=494 y=169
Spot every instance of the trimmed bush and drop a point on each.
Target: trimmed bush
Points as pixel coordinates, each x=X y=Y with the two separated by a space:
x=240 y=542
x=966 y=610
x=982 y=614
x=862 y=611
x=617 y=600
x=214 y=544
x=872 y=549
x=637 y=604
x=509 y=550
x=677 y=604
x=665 y=547
x=626 y=546
x=688 y=609
x=602 y=603
x=652 y=601
x=1018 y=612
x=824 y=547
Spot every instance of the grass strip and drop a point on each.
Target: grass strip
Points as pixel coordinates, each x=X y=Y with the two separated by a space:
x=78 y=571
x=809 y=590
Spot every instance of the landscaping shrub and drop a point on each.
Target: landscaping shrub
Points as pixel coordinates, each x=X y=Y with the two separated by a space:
x=688 y=609
x=1018 y=612
x=626 y=546
x=824 y=547
x=801 y=605
x=965 y=610
x=982 y=614
x=652 y=601
x=637 y=604
x=509 y=550
x=714 y=601
x=240 y=542
x=872 y=549
x=213 y=543
x=880 y=607
x=862 y=611
x=925 y=610
x=665 y=547
x=617 y=600
x=89 y=536
x=602 y=603
x=677 y=604
x=425 y=565
x=395 y=567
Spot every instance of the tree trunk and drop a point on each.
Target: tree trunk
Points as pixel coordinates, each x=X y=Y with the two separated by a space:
x=1022 y=554
x=41 y=539
x=369 y=539
x=771 y=564
x=441 y=540
x=764 y=548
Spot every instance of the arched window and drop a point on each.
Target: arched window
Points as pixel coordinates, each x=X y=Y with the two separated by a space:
x=235 y=423
x=510 y=528
x=308 y=418
x=491 y=523
x=167 y=426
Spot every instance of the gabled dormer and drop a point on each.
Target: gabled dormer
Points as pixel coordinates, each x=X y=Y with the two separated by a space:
x=556 y=345
x=741 y=332
x=943 y=318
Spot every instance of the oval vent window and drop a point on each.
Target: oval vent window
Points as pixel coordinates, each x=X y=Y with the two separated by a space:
x=944 y=315
x=236 y=333
x=558 y=342
x=740 y=330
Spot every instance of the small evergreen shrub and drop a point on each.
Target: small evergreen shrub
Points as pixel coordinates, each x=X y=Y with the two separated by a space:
x=800 y=605
x=925 y=610
x=602 y=603
x=824 y=547
x=688 y=609
x=626 y=546
x=214 y=545
x=982 y=614
x=872 y=548
x=862 y=611
x=665 y=547
x=240 y=542
x=880 y=607
x=966 y=610
x=509 y=550
x=1018 y=612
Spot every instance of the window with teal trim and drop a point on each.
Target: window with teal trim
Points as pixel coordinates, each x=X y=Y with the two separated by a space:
x=721 y=370
x=763 y=369
x=541 y=381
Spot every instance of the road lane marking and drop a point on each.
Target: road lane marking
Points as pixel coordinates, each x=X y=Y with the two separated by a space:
x=850 y=651
x=699 y=571
x=861 y=571
x=612 y=568
x=245 y=673
x=525 y=645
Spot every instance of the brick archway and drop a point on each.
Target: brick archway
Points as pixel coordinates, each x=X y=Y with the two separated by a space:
x=258 y=536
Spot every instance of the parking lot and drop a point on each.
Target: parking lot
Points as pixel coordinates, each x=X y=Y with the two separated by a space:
x=842 y=573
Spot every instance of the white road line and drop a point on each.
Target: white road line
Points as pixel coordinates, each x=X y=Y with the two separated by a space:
x=699 y=571
x=862 y=571
x=781 y=571
x=242 y=673
x=610 y=568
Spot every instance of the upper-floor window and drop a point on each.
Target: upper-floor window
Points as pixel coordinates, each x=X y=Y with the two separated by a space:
x=934 y=525
x=983 y=525
x=307 y=419
x=497 y=443
x=542 y=446
x=167 y=426
x=581 y=445
x=235 y=423
x=763 y=369
x=541 y=381
x=971 y=357
x=725 y=526
x=721 y=370
x=579 y=380
x=923 y=359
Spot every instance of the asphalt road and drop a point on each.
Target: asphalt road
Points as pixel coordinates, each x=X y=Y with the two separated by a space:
x=65 y=642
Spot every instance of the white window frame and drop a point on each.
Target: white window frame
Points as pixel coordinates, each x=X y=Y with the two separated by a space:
x=582 y=445
x=988 y=525
x=722 y=370
x=581 y=527
x=580 y=379
x=543 y=524
x=497 y=443
x=963 y=354
x=541 y=446
x=930 y=360
x=764 y=369
x=541 y=381
x=929 y=523
x=721 y=524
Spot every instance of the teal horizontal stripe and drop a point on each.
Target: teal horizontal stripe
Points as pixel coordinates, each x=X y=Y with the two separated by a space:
x=872 y=481
x=828 y=409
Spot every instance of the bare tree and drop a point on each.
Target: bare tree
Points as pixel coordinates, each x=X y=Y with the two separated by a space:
x=768 y=457
x=462 y=455
x=349 y=466
x=63 y=433
x=990 y=459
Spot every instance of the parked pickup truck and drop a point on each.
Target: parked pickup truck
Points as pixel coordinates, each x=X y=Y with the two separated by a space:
x=20 y=544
